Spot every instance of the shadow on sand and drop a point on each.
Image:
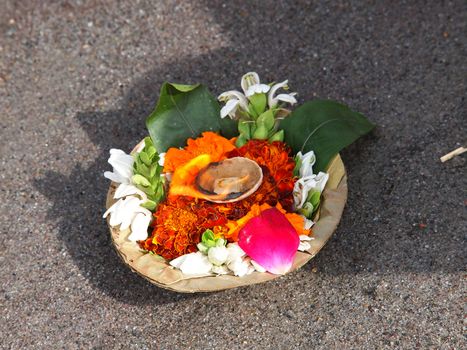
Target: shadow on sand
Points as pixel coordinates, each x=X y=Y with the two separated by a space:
x=84 y=232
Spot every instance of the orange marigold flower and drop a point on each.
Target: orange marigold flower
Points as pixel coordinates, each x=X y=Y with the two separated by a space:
x=181 y=220
x=179 y=224
x=209 y=143
x=276 y=158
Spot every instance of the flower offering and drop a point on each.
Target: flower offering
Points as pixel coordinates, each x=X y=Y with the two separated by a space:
x=229 y=186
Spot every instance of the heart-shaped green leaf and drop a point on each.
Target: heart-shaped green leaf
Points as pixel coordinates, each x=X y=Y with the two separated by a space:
x=185 y=111
x=324 y=126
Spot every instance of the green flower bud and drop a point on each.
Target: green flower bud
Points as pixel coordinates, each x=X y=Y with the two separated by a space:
x=208 y=239
x=149 y=204
x=140 y=180
x=241 y=140
x=307 y=210
x=267 y=118
x=258 y=102
x=244 y=129
x=314 y=198
x=252 y=112
x=261 y=132
x=278 y=136
x=144 y=158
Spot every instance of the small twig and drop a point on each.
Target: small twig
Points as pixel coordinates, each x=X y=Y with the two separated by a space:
x=454 y=153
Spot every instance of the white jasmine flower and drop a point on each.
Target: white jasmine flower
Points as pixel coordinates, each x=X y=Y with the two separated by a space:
x=251 y=84
x=257 y=89
x=124 y=211
x=307 y=161
x=234 y=100
x=193 y=264
x=128 y=213
x=257 y=266
x=239 y=267
x=304 y=243
x=124 y=190
x=139 y=226
x=218 y=255
x=306 y=184
x=122 y=164
x=249 y=79
x=236 y=262
x=274 y=100
x=235 y=252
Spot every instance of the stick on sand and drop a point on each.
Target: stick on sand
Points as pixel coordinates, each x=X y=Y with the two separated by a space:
x=454 y=153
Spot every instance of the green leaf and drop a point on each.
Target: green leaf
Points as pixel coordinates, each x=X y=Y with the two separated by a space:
x=144 y=158
x=184 y=87
x=151 y=152
x=241 y=140
x=140 y=180
x=266 y=118
x=152 y=171
x=244 y=129
x=159 y=192
x=142 y=169
x=149 y=204
x=314 y=198
x=261 y=132
x=149 y=191
x=258 y=102
x=278 y=136
x=148 y=142
x=324 y=126
x=252 y=112
x=185 y=111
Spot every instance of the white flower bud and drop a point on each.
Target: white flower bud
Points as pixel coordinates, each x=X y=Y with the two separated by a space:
x=235 y=252
x=193 y=264
x=307 y=161
x=239 y=267
x=218 y=255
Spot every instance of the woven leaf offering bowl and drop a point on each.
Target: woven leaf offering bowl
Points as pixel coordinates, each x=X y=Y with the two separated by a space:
x=246 y=188
x=158 y=271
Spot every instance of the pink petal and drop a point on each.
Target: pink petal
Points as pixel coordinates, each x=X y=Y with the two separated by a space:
x=270 y=240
